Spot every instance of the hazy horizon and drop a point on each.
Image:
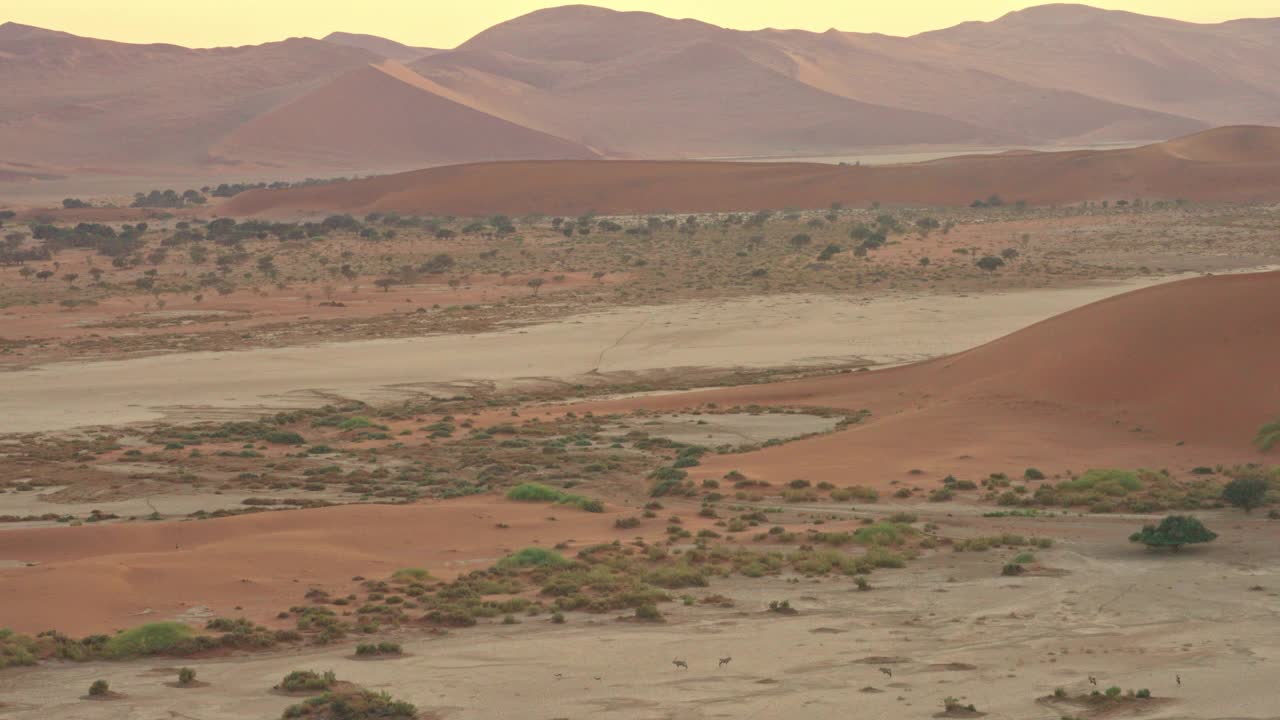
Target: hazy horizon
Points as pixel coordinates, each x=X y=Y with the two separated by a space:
x=240 y=22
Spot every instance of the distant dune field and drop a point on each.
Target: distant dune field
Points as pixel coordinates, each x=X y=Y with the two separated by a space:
x=1235 y=164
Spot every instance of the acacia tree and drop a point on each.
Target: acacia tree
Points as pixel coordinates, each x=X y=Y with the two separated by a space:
x=1174 y=532
x=1247 y=492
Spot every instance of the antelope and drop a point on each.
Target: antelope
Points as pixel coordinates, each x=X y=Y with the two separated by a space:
x=1093 y=680
x=724 y=661
x=680 y=664
x=1179 y=679
x=887 y=671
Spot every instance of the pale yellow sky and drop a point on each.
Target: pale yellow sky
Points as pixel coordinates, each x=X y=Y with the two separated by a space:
x=446 y=23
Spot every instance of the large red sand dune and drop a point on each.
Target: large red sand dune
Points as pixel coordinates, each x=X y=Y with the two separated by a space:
x=1173 y=376
x=1236 y=164
x=385 y=115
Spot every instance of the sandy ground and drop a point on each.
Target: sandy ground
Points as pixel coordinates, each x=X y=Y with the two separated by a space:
x=257 y=565
x=949 y=625
x=752 y=333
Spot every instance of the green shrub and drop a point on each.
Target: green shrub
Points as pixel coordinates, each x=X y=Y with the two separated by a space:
x=533 y=557
x=355 y=423
x=677 y=576
x=16 y=650
x=150 y=639
x=307 y=680
x=1174 y=531
x=1032 y=474
x=1268 y=436
x=1247 y=492
x=890 y=534
x=1024 y=558
x=649 y=613
x=1143 y=694
x=99 y=688
x=411 y=575
x=1114 y=691
x=1104 y=481
x=186 y=676
x=537 y=492
x=357 y=705
x=284 y=437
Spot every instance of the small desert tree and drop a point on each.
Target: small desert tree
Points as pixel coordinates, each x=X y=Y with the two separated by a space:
x=1174 y=532
x=1247 y=492
x=536 y=284
x=990 y=263
x=1268 y=436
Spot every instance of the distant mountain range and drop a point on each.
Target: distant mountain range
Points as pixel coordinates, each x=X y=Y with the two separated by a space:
x=582 y=82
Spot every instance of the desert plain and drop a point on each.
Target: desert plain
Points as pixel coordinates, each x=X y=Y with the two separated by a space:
x=604 y=430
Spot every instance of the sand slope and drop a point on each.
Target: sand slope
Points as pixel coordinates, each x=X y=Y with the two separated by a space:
x=389 y=49
x=1238 y=164
x=385 y=115
x=92 y=105
x=1171 y=376
x=262 y=562
x=1221 y=73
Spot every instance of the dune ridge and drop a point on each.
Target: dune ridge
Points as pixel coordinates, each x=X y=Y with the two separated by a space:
x=1235 y=164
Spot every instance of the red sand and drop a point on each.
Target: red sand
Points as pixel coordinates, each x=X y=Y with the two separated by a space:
x=96 y=577
x=1172 y=376
x=1235 y=164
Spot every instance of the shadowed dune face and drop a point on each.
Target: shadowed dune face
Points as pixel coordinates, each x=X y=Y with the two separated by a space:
x=385 y=115
x=1237 y=164
x=1177 y=375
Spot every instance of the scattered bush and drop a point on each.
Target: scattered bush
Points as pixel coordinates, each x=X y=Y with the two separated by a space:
x=99 y=688
x=376 y=649
x=356 y=705
x=186 y=676
x=411 y=575
x=150 y=639
x=649 y=613
x=533 y=557
x=1174 y=532
x=284 y=437
x=537 y=492
x=307 y=680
